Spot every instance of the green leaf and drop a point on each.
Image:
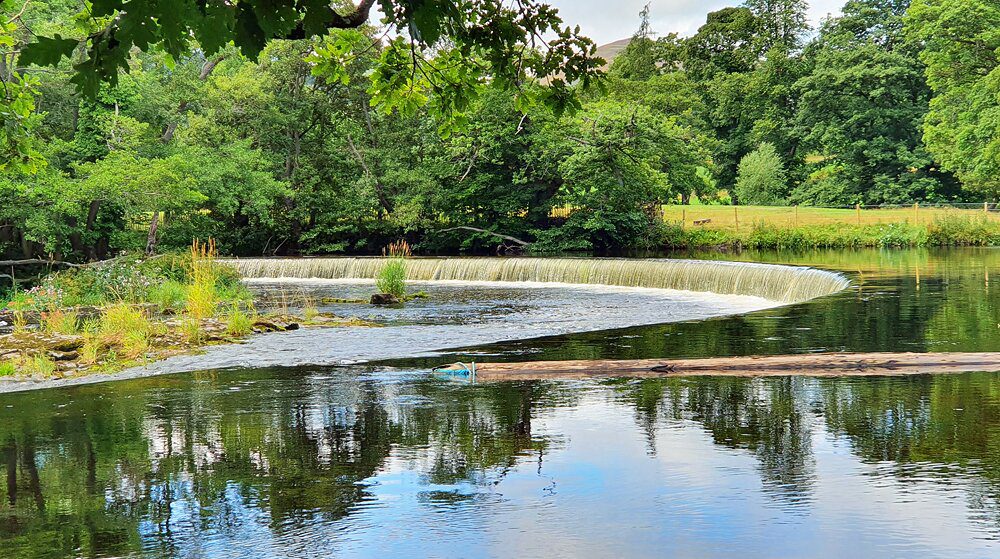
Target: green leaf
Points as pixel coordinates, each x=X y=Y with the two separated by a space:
x=48 y=52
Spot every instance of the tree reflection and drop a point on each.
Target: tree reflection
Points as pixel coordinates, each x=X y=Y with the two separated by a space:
x=144 y=462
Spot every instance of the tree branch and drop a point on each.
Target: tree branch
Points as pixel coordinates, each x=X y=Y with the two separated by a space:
x=335 y=20
x=478 y=230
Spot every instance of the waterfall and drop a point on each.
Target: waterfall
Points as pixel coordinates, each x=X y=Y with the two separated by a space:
x=775 y=282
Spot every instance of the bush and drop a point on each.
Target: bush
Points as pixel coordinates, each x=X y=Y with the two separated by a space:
x=7 y=369
x=761 y=178
x=959 y=230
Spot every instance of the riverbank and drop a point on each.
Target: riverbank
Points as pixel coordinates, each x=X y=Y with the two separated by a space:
x=947 y=230
x=114 y=315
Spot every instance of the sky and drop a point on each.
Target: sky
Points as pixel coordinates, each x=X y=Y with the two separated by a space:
x=605 y=21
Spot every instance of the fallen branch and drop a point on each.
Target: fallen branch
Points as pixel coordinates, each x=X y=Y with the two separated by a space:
x=38 y=261
x=478 y=230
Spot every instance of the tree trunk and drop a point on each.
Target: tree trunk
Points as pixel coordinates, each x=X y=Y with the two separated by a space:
x=95 y=205
x=151 y=238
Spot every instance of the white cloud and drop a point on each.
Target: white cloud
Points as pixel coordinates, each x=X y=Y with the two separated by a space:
x=604 y=24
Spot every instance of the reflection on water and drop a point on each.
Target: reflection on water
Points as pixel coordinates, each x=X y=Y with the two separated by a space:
x=920 y=300
x=372 y=461
x=350 y=463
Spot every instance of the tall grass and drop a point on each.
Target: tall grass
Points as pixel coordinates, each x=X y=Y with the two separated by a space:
x=391 y=278
x=202 y=293
x=126 y=328
x=61 y=322
x=171 y=295
x=38 y=365
x=7 y=369
x=239 y=322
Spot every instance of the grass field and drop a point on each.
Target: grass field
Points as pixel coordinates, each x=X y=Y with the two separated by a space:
x=735 y=217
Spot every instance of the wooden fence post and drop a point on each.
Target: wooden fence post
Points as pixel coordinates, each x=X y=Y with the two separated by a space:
x=796 y=215
x=684 y=213
x=736 y=214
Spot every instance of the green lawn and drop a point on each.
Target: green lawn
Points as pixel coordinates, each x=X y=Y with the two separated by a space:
x=727 y=217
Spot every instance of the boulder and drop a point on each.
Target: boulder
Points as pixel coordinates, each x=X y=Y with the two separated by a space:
x=383 y=299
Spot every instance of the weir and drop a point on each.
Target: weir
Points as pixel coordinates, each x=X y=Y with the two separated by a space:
x=788 y=284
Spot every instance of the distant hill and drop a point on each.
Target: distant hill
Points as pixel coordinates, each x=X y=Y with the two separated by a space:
x=611 y=50
x=608 y=52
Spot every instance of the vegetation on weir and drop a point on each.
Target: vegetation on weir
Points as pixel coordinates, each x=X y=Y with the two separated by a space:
x=132 y=310
x=324 y=136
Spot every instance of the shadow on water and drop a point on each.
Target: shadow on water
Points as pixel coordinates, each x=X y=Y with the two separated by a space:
x=364 y=461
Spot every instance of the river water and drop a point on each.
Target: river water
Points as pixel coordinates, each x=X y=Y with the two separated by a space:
x=379 y=459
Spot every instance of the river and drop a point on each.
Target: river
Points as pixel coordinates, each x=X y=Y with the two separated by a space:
x=379 y=459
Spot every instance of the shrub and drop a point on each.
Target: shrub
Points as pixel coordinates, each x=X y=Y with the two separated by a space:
x=7 y=369
x=761 y=178
x=959 y=230
x=391 y=278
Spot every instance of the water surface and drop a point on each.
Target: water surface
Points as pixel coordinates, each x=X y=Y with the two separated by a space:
x=383 y=460
x=345 y=462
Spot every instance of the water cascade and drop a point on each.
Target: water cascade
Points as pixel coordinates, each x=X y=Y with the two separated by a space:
x=788 y=284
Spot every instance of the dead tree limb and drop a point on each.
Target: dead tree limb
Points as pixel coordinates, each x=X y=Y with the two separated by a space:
x=38 y=261
x=514 y=240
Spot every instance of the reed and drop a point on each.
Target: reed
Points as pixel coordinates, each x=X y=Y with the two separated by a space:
x=202 y=294
x=391 y=277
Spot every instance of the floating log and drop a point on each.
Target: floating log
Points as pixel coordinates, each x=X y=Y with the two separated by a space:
x=808 y=365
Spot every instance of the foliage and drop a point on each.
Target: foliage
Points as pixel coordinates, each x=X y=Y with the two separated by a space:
x=762 y=179
x=171 y=295
x=869 y=131
x=7 y=369
x=239 y=323
x=959 y=42
x=466 y=57
x=316 y=133
x=944 y=231
x=391 y=278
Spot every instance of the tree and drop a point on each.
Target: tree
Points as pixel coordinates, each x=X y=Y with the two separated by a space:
x=762 y=180
x=959 y=43
x=782 y=23
x=861 y=109
x=18 y=118
x=725 y=44
x=470 y=32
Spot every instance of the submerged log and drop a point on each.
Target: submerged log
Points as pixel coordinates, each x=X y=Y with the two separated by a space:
x=811 y=365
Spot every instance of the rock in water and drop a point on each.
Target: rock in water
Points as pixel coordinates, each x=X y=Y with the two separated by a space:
x=385 y=299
